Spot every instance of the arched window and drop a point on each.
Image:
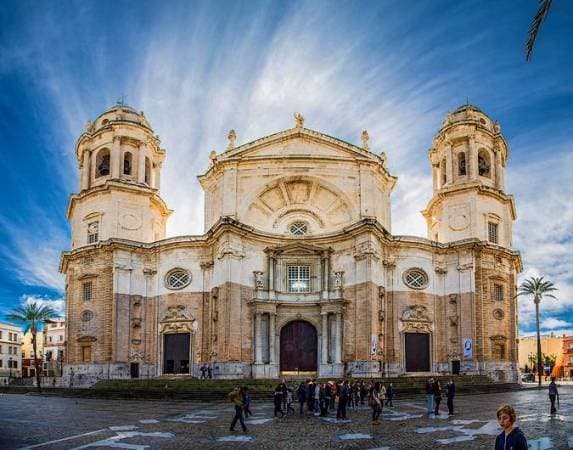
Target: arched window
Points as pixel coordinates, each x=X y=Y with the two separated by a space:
x=127 y=163
x=443 y=171
x=102 y=163
x=461 y=163
x=484 y=163
x=147 y=171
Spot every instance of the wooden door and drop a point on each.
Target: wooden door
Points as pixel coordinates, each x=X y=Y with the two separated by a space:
x=417 y=352
x=176 y=353
x=298 y=347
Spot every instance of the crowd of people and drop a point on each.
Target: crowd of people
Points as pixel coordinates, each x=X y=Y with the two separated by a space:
x=319 y=398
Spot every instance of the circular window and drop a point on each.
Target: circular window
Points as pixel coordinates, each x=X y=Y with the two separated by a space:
x=177 y=278
x=498 y=314
x=415 y=278
x=87 y=315
x=298 y=228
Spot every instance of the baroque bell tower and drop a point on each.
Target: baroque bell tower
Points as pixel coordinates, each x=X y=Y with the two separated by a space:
x=468 y=160
x=120 y=162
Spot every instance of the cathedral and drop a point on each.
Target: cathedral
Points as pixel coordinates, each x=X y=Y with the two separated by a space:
x=297 y=271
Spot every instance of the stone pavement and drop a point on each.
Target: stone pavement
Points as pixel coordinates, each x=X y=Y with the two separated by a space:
x=31 y=421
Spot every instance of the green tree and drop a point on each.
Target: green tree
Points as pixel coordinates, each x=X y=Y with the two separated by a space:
x=538 y=288
x=540 y=15
x=32 y=316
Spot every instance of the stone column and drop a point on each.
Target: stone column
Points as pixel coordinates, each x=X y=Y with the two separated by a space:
x=157 y=181
x=325 y=277
x=472 y=160
x=272 y=335
x=258 y=339
x=271 y=277
x=86 y=170
x=449 y=171
x=141 y=163
x=324 y=339
x=338 y=342
x=115 y=157
x=435 y=177
x=498 y=170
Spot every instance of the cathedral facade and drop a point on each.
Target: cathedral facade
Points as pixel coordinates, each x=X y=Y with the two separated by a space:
x=297 y=272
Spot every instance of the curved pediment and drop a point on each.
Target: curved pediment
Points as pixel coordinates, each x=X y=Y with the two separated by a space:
x=301 y=199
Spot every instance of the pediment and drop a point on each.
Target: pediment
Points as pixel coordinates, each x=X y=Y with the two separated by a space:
x=299 y=142
x=297 y=248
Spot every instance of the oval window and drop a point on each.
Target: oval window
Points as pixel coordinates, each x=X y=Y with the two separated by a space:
x=177 y=278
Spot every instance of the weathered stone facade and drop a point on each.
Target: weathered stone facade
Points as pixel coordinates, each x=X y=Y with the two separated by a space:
x=297 y=271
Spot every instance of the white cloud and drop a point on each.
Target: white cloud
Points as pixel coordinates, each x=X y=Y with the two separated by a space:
x=552 y=323
x=57 y=304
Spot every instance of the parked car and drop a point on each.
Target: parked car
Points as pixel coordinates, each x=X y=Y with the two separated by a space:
x=528 y=377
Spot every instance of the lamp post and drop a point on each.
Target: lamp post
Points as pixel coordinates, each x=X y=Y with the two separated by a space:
x=10 y=366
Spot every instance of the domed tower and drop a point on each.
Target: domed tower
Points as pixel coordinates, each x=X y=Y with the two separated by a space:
x=468 y=163
x=120 y=162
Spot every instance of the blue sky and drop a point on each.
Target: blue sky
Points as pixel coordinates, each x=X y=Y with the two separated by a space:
x=198 y=69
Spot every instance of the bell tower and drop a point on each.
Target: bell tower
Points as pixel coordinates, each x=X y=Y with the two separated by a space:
x=468 y=163
x=120 y=162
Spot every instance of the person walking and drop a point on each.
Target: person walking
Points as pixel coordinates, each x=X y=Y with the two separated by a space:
x=310 y=395
x=301 y=395
x=363 y=392
x=278 y=400
x=236 y=397
x=430 y=396
x=289 y=401
x=210 y=371
x=374 y=403
x=450 y=394
x=316 y=405
x=203 y=372
x=437 y=390
x=390 y=395
x=324 y=399
x=553 y=394
x=247 y=402
x=343 y=394
x=511 y=437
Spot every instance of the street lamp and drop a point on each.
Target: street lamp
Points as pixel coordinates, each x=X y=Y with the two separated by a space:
x=10 y=366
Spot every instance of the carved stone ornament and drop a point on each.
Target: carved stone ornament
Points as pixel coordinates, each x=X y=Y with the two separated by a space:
x=87 y=339
x=453 y=298
x=498 y=314
x=135 y=355
x=463 y=267
x=365 y=249
x=453 y=321
x=338 y=279
x=381 y=316
x=258 y=279
x=441 y=269
x=232 y=136
x=365 y=137
x=381 y=292
x=178 y=320
x=498 y=338
x=136 y=322
x=230 y=249
x=389 y=261
x=415 y=319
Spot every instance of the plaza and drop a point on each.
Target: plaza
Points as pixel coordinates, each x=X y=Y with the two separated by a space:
x=73 y=423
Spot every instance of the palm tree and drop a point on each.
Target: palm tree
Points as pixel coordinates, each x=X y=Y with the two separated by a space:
x=540 y=15
x=32 y=316
x=538 y=289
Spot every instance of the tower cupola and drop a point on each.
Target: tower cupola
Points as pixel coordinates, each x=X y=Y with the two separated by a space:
x=468 y=160
x=120 y=161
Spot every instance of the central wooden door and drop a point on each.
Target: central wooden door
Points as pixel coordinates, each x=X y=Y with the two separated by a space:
x=298 y=347
x=417 y=352
x=176 y=353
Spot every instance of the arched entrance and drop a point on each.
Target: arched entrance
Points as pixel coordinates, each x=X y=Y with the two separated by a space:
x=299 y=347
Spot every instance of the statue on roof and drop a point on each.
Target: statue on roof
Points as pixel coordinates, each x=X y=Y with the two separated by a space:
x=365 y=138
x=232 y=136
x=299 y=120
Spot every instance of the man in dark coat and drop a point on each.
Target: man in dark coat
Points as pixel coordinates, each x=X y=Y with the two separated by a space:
x=301 y=394
x=450 y=394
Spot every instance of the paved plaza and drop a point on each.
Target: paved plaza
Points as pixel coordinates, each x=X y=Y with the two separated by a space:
x=48 y=422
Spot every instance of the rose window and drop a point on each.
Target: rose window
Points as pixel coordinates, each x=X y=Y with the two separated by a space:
x=177 y=279
x=416 y=279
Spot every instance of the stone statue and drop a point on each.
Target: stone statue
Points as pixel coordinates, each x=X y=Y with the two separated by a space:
x=89 y=126
x=365 y=137
x=232 y=136
x=299 y=120
x=383 y=158
x=213 y=156
x=338 y=279
x=258 y=279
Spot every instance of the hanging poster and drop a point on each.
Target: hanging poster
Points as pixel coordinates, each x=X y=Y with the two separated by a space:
x=468 y=348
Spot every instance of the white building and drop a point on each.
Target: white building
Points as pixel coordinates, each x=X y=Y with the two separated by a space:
x=10 y=352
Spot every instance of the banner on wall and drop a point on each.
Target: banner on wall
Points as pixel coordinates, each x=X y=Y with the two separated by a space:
x=374 y=344
x=468 y=348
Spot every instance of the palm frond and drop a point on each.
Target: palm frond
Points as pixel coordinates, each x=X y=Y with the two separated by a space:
x=540 y=16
